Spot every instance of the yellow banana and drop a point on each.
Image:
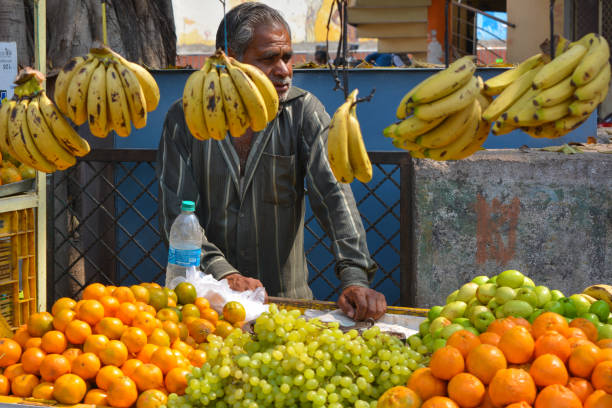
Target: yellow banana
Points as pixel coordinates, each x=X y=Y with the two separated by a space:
x=418 y=154
x=498 y=83
x=555 y=94
x=526 y=117
x=64 y=78
x=592 y=88
x=358 y=155
x=509 y=95
x=96 y=103
x=21 y=140
x=410 y=128
x=406 y=106
x=483 y=100
x=447 y=131
x=570 y=122
x=559 y=68
x=519 y=104
x=193 y=105
x=5 y=111
x=137 y=102
x=552 y=113
x=236 y=114
x=475 y=145
x=445 y=82
x=76 y=98
x=337 y=145
x=590 y=298
x=546 y=130
x=406 y=145
x=265 y=86
x=251 y=97
x=588 y=106
x=600 y=292
x=213 y=106
x=118 y=109
x=502 y=127
x=595 y=59
x=61 y=129
x=44 y=140
x=389 y=131
x=449 y=151
x=458 y=100
x=145 y=79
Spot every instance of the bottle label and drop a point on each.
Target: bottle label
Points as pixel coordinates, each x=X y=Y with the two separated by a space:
x=184 y=257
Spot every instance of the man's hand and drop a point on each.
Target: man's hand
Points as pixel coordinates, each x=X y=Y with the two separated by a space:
x=241 y=283
x=360 y=303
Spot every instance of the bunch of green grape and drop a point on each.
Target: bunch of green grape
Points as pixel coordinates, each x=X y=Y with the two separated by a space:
x=291 y=361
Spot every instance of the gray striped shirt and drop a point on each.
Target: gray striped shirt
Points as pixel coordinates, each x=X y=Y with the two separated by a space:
x=254 y=224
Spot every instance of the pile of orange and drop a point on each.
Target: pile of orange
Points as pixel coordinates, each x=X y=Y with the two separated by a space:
x=515 y=364
x=114 y=347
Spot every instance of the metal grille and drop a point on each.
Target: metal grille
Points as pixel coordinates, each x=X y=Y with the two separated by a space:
x=606 y=20
x=586 y=17
x=105 y=226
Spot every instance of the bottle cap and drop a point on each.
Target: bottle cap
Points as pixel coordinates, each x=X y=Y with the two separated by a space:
x=188 y=206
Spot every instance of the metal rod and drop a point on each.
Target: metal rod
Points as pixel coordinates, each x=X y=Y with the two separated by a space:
x=552 y=29
x=475 y=10
x=344 y=50
x=446 y=12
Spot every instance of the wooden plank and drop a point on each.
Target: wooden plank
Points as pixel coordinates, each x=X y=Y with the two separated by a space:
x=364 y=15
x=402 y=45
x=392 y=30
x=391 y=3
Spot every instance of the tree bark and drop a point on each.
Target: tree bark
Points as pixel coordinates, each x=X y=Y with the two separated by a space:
x=15 y=16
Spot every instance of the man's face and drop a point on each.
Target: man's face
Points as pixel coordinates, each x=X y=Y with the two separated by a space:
x=270 y=50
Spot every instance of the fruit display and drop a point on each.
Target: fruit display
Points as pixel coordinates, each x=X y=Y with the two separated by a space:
x=346 y=150
x=227 y=95
x=107 y=91
x=441 y=116
x=33 y=132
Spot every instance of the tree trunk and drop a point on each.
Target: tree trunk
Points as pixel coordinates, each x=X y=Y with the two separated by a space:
x=15 y=16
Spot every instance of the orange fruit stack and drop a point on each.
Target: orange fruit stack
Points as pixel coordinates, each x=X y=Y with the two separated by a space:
x=547 y=364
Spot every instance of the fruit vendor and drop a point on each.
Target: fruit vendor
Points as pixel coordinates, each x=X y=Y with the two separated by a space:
x=249 y=191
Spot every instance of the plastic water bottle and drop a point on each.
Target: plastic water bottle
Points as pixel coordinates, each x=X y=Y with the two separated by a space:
x=185 y=245
x=435 y=55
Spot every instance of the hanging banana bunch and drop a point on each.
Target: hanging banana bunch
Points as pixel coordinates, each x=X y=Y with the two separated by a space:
x=33 y=131
x=107 y=91
x=346 y=150
x=227 y=95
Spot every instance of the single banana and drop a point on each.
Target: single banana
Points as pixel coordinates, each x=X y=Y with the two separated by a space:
x=76 y=98
x=526 y=116
x=5 y=112
x=96 y=103
x=501 y=127
x=559 y=68
x=592 y=88
x=590 y=298
x=251 y=97
x=64 y=78
x=570 y=122
x=448 y=131
x=519 y=104
x=498 y=83
x=470 y=132
x=145 y=79
x=452 y=103
x=213 y=106
x=509 y=95
x=337 y=145
x=552 y=113
x=587 y=40
x=475 y=145
x=406 y=106
x=445 y=82
x=134 y=93
x=562 y=45
x=389 y=131
x=118 y=109
x=265 y=86
x=44 y=140
x=21 y=140
x=193 y=104
x=546 y=130
x=406 y=145
x=555 y=94
x=411 y=127
x=418 y=154
x=484 y=100
x=600 y=292
x=358 y=155
x=235 y=112
x=595 y=59
x=61 y=129
x=588 y=106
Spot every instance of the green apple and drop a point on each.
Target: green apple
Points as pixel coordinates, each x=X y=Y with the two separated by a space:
x=486 y=292
x=499 y=312
x=504 y=294
x=605 y=332
x=543 y=294
x=569 y=310
x=450 y=329
x=610 y=320
x=535 y=314
x=492 y=280
x=415 y=341
x=434 y=312
x=438 y=323
x=601 y=309
x=517 y=308
x=473 y=330
x=511 y=278
x=582 y=304
x=474 y=311
x=438 y=344
x=452 y=297
x=454 y=309
x=424 y=327
x=528 y=282
x=591 y=317
x=473 y=302
x=492 y=305
x=556 y=294
x=480 y=279
x=438 y=333
x=483 y=320
x=467 y=292
x=427 y=339
x=527 y=294
x=463 y=321
x=554 y=306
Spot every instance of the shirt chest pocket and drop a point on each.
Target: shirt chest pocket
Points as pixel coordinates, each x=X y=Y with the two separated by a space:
x=278 y=179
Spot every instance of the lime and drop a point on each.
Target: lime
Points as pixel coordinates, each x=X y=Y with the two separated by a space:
x=569 y=308
x=158 y=298
x=601 y=309
x=171 y=294
x=168 y=313
x=186 y=293
x=234 y=312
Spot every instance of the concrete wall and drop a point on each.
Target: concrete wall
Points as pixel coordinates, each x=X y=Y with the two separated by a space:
x=548 y=215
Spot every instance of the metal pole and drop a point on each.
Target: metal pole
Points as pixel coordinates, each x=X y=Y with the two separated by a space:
x=552 y=29
x=344 y=50
x=446 y=12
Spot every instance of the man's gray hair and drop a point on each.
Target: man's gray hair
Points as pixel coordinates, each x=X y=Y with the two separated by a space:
x=242 y=21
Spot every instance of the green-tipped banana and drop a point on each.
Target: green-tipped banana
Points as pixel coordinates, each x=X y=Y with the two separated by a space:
x=498 y=83
x=64 y=78
x=96 y=103
x=236 y=114
x=470 y=132
x=555 y=94
x=476 y=144
x=410 y=128
x=193 y=105
x=592 y=88
x=389 y=131
x=118 y=108
x=358 y=155
x=595 y=59
x=448 y=131
x=213 y=106
x=76 y=97
x=265 y=86
x=552 y=113
x=452 y=103
x=337 y=145
x=445 y=82
x=509 y=95
x=559 y=68
x=65 y=134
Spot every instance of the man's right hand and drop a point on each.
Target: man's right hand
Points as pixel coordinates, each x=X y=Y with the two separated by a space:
x=241 y=283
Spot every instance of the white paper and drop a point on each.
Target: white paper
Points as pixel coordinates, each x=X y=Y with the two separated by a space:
x=8 y=68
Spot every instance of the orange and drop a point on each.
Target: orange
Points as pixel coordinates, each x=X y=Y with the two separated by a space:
x=575 y=332
x=62 y=318
x=10 y=352
x=172 y=329
x=578 y=341
x=605 y=354
x=34 y=342
x=151 y=399
x=197 y=358
x=106 y=375
x=78 y=305
x=521 y=321
x=94 y=291
x=602 y=343
x=126 y=312
x=181 y=346
x=164 y=358
x=124 y=294
x=233 y=312
x=111 y=305
x=583 y=360
x=521 y=404
x=134 y=339
x=141 y=294
x=517 y=345
x=439 y=402
x=91 y=311
x=176 y=380
x=71 y=353
x=144 y=321
x=202 y=303
x=77 y=331
x=122 y=393
x=159 y=337
x=557 y=396
x=199 y=329
x=13 y=371
x=183 y=330
x=21 y=335
x=548 y=369
x=210 y=314
x=110 y=289
x=489 y=338
x=552 y=342
x=446 y=362
x=423 y=382
x=54 y=341
x=399 y=396
x=512 y=385
x=95 y=343
x=111 y=327
x=598 y=399
x=86 y=366
x=500 y=326
x=466 y=390
x=147 y=377
x=39 y=324
x=5 y=385
x=549 y=321
x=115 y=353
x=63 y=303
x=69 y=389
x=484 y=361
x=464 y=341
x=31 y=359
x=23 y=385
x=581 y=387
x=602 y=376
x=96 y=396
x=53 y=366
x=586 y=326
x=130 y=366
x=147 y=351
x=43 y=390
x=223 y=328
